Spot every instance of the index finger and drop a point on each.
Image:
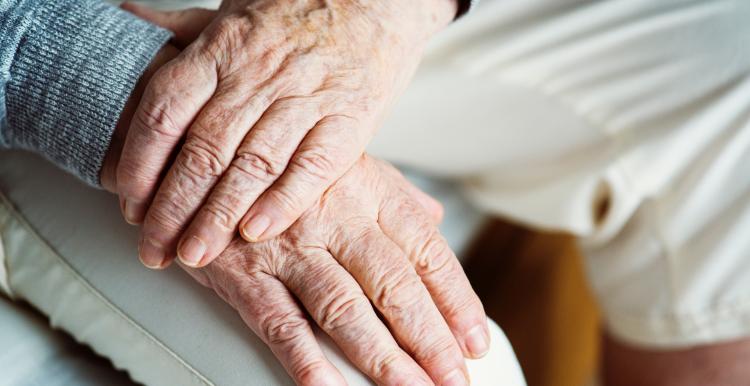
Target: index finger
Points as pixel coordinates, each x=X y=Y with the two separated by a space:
x=172 y=99
x=271 y=311
x=325 y=154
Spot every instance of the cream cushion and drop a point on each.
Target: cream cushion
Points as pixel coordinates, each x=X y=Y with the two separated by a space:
x=67 y=252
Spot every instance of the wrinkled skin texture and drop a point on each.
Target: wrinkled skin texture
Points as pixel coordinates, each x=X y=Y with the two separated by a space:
x=366 y=240
x=370 y=243
x=274 y=100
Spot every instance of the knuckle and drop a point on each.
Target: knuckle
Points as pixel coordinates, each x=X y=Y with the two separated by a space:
x=223 y=213
x=257 y=166
x=263 y=98
x=232 y=27
x=161 y=219
x=202 y=159
x=434 y=257
x=168 y=211
x=316 y=164
x=228 y=33
x=440 y=349
x=342 y=310
x=383 y=363
x=157 y=118
x=304 y=372
x=280 y=329
x=397 y=291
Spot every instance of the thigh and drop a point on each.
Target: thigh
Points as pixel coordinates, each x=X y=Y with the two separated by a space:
x=546 y=110
x=718 y=364
x=68 y=253
x=521 y=81
x=621 y=121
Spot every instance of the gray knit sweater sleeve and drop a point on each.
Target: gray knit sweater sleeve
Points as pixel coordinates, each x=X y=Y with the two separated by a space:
x=67 y=67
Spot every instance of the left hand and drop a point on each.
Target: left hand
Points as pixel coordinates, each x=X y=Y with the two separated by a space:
x=369 y=245
x=312 y=79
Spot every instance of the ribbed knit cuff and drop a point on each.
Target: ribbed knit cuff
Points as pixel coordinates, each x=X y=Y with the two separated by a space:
x=71 y=76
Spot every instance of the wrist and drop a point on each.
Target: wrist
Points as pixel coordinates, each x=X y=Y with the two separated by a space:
x=109 y=167
x=422 y=18
x=435 y=14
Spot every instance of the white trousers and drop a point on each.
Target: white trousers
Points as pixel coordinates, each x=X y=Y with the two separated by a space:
x=624 y=122
x=621 y=121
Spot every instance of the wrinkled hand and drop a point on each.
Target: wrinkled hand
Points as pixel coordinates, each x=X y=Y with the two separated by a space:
x=368 y=237
x=312 y=79
x=371 y=239
x=108 y=173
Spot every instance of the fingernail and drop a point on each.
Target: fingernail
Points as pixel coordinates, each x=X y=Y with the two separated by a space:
x=477 y=342
x=151 y=255
x=191 y=251
x=133 y=212
x=255 y=227
x=455 y=378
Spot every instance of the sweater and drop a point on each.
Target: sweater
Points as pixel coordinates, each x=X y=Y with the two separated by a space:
x=67 y=68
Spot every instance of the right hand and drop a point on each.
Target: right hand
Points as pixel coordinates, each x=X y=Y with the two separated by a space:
x=108 y=173
x=374 y=231
x=369 y=241
x=263 y=110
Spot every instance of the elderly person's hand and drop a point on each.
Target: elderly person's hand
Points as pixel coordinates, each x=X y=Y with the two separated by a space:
x=370 y=240
x=274 y=100
x=366 y=240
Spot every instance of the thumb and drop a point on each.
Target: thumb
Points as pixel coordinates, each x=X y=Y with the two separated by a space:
x=186 y=24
